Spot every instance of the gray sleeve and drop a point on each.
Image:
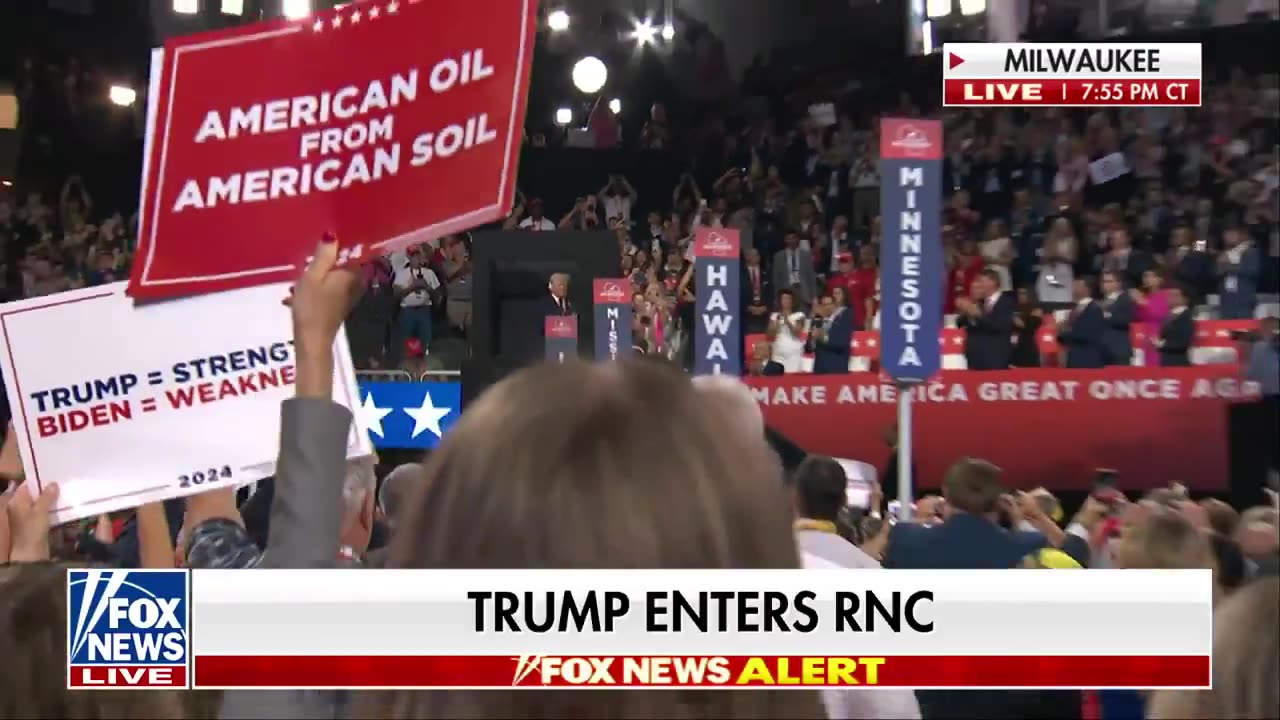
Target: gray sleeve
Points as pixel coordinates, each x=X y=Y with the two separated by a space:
x=306 y=514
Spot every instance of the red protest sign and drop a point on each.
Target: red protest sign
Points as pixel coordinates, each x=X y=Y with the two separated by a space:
x=387 y=122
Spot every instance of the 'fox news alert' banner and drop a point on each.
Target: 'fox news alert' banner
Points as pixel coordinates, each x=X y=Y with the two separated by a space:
x=1071 y=74
x=646 y=628
x=123 y=405
x=387 y=122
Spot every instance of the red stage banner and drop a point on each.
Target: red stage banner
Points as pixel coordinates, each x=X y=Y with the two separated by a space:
x=1045 y=427
x=386 y=122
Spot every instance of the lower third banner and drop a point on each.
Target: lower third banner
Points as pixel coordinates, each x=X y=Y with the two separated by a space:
x=528 y=629
x=613 y=318
x=717 y=335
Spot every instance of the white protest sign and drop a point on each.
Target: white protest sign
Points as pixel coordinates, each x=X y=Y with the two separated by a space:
x=122 y=405
x=1108 y=168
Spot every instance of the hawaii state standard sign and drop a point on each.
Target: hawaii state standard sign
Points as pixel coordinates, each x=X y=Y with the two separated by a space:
x=386 y=122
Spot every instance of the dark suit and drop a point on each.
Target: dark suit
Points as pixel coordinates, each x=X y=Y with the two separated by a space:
x=551 y=307
x=1083 y=337
x=969 y=542
x=1129 y=267
x=831 y=353
x=1194 y=270
x=986 y=340
x=772 y=368
x=1176 y=337
x=1118 y=315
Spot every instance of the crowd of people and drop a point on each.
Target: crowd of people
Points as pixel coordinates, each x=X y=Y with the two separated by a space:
x=717 y=497
x=1143 y=211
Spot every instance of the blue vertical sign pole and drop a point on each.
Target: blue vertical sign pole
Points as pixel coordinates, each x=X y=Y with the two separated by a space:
x=613 y=318
x=717 y=340
x=911 y=274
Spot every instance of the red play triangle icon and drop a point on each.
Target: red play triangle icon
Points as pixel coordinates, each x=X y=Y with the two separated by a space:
x=953 y=60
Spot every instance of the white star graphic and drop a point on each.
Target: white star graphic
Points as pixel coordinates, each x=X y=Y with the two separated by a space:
x=427 y=417
x=371 y=415
x=355 y=16
x=392 y=7
x=318 y=26
x=374 y=12
x=337 y=21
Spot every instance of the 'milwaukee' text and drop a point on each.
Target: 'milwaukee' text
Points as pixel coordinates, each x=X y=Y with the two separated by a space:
x=714 y=611
x=348 y=138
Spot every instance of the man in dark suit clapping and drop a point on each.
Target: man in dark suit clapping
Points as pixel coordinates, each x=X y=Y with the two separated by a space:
x=557 y=300
x=832 y=338
x=1082 y=334
x=1117 y=312
x=987 y=319
x=1178 y=332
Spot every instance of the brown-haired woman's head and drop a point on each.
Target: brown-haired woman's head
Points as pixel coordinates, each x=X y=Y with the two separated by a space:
x=972 y=486
x=1162 y=538
x=616 y=465
x=33 y=645
x=1246 y=662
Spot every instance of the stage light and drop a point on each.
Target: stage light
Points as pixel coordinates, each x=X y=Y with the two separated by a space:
x=938 y=8
x=232 y=7
x=615 y=106
x=296 y=9
x=564 y=116
x=122 y=96
x=645 y=32
x=186 y=7
x=926 y=36
x=972 y=7
x=6 y=183
x=668 y=32
x=589 y=74
x=558 y=20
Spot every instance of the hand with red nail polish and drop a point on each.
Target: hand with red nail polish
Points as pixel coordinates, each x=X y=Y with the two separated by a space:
x=321 y=300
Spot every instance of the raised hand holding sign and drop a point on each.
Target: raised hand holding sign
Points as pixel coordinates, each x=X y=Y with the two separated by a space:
x=360 y=127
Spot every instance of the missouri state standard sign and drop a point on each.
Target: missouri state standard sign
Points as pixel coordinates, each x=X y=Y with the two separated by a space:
x=386 y=122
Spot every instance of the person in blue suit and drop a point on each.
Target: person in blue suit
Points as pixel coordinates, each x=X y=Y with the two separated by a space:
x=832 y=340
x=969 y=538
x=1083 y=334
x=1117 y=312
x=1238 y=268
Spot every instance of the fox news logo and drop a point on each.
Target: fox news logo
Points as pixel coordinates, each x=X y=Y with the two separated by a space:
x=127 y=628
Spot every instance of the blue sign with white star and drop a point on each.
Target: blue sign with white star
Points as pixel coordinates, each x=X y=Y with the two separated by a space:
x=408 y=414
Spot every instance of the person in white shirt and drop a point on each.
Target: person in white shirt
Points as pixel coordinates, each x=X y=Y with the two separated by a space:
x=788 y=328
x=415 y=286
x=1057 y=255
x=619 y=197
x=536 y=222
